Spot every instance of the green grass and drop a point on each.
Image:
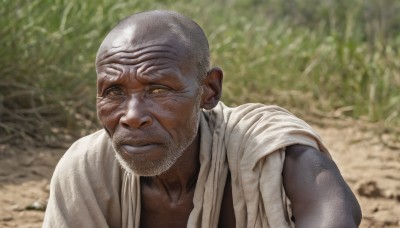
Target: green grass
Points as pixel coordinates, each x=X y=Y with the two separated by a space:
x=301 y=54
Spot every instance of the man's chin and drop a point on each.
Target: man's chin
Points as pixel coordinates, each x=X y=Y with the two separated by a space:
x=142 y=164
x=143 y=168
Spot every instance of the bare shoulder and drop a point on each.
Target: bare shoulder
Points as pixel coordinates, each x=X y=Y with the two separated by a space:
x=319 y=194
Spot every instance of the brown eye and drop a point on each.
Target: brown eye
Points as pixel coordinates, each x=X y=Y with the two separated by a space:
x=114 y=91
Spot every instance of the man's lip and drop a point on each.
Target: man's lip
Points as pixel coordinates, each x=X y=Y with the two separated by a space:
x=139 y=148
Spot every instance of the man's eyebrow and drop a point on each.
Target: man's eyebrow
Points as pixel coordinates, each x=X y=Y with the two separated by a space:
x=109 y=74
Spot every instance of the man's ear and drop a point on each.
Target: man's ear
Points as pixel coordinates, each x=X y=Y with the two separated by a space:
x=212 y=88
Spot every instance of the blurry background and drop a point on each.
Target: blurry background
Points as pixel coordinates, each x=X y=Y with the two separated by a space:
x=329 y=58
x=334 y=63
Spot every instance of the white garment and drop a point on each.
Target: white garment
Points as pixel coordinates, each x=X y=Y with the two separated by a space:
x=89 y=189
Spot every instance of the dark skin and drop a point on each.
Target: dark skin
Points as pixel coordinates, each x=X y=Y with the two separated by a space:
x=149 y=95
x=319 y=194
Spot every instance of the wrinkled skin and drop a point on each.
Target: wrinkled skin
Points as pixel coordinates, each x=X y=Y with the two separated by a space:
x=148 y=97
x=138 y=105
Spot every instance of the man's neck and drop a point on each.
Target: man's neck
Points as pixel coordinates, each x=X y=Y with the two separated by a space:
x=181 y=178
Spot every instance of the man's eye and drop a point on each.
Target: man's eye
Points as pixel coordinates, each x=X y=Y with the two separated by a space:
x=158 y=90
x=113 y=91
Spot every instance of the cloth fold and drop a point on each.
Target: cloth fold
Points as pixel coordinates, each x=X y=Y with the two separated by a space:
x=249 y=141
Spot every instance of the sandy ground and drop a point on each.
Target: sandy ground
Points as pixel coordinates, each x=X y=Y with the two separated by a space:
x=371 y=169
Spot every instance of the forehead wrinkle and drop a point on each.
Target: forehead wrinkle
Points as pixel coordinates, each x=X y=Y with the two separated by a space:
x=160 y=72
x=144 y=60
x=111 y=75
x=120 y=54
x=164 y=27
x=113 y=69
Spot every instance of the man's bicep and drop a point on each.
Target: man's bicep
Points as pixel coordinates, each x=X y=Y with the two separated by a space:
x=319 y=195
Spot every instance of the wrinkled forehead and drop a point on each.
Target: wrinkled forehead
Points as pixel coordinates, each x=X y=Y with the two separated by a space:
x=145 y=35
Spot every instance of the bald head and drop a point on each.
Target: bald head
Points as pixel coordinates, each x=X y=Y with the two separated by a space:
x=155 y=28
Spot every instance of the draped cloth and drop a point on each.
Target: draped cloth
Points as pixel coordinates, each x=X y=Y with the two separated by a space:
x=89 y=189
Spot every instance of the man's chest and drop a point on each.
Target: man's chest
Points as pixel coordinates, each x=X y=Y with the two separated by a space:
x=161 y=210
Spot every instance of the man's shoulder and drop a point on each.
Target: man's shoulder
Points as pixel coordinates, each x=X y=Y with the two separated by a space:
x=270 y=107
x=85 y=183
x=268 y=125
x=95 y=148
x=252 y=114
x=251 y=109
x=96 y=142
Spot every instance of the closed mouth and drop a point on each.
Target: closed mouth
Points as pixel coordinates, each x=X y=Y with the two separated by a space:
x=139 y=148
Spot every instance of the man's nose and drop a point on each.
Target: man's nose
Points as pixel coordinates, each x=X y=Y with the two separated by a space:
x=136 y=114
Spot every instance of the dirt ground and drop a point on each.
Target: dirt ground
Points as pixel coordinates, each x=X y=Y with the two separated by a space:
x=371 y=169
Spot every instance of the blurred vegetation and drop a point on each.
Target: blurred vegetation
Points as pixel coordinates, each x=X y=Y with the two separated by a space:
x=332 y=57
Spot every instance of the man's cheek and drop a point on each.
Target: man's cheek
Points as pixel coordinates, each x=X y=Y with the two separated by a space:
x=108 y=118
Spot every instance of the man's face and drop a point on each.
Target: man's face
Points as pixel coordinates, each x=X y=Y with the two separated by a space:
x=149 y=105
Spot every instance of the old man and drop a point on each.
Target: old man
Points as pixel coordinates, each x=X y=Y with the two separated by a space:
x=172 y=155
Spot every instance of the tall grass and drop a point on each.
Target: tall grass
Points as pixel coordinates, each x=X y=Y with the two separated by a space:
x=326 y=55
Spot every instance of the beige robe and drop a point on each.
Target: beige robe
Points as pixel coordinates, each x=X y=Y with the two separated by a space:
x=89 y=189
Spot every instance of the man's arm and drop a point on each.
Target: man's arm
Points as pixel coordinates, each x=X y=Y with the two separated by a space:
x=320 y=197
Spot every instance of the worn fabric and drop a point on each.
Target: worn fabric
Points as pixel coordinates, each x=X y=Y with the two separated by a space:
x=89 y=189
